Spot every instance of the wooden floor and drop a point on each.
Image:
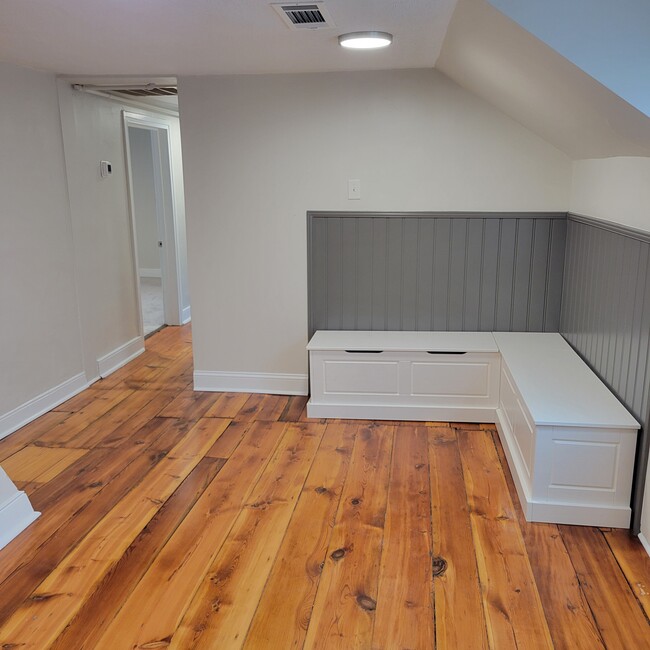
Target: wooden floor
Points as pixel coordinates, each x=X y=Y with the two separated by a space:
x=205 y=520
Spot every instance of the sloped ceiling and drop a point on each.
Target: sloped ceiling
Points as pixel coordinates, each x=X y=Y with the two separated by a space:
x=608 y=40
x=494 y=57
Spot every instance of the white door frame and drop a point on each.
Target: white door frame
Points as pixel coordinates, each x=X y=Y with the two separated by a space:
x=166 y=213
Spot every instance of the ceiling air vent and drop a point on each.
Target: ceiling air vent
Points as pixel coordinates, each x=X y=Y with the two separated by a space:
x=133 y=90
x=304 y=16
x=149 y=91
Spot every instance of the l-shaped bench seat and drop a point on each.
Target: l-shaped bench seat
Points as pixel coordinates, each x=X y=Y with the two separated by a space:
x=570 y=443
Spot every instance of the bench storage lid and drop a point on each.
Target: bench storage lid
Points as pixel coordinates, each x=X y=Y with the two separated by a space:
x=452 y=342
x=557 y=385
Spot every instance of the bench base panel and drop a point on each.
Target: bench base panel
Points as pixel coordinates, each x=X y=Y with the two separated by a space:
x=410 y=412
x=604 y=513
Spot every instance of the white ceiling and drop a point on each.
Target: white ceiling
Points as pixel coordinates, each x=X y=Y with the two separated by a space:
x=197 y=37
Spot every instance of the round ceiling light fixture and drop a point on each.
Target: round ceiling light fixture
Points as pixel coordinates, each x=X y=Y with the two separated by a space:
x=365 y=40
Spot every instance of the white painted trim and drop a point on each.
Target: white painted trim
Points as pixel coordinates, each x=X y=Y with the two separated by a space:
x=251 y=382
x=579 y=514
x=413 y=412
x=35 y=407
x=120 y=356
x=16 y=513
x=645 y=543
x=150 y=273
x=186 y=316
x=515 y=463
x=166 y=215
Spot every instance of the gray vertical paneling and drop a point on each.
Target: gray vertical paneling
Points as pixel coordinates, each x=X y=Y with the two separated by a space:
x=557 y=247
x=435 y=271
x=318 y=272
x=349 y=273
x=456 y=285
x=505 y=274
x=489 y=273
x=521 y=280
x=473 y=272
x=409 y=274
x=441 y=272
x=606 y=317
x=538 y=272
x=395 y=228
x=333 y=294
x=379 y=275
x=364 y=274
x=425 y=274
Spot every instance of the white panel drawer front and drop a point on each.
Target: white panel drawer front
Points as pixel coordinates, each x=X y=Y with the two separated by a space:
x=361 y=377
x=450 y=379
x=584 y=464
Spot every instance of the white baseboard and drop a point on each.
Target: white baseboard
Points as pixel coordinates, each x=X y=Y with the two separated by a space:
x=35 y=407
x=186 y=315
x=150 y=273
x=410 y=412
x=579 y=514
x=644 y=541
x=120 y=356
x=251 y=382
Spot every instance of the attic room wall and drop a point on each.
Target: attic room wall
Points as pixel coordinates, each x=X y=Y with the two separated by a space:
x=93 y=131
x=39 y=328
x=613 y=189
x=108 y=303
x=259 y=152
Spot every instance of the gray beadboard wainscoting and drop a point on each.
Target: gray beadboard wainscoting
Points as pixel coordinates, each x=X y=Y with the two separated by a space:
x=606 y=318
x=583 y=277
x=435 y=271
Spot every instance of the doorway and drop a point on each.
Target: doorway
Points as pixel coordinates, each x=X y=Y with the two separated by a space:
x=154 y=222
x=147 y=215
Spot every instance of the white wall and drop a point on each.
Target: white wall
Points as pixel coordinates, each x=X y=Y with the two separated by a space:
x=144 y=199
x=613 y=189
x=66 y=282
x=259 y=152
x=108 y=304
x=93 y=131
x=39 y=327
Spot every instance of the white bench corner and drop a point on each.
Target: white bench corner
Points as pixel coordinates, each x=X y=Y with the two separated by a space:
x=570 y=443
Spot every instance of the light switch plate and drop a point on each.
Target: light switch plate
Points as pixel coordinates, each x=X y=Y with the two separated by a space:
x=354 y=189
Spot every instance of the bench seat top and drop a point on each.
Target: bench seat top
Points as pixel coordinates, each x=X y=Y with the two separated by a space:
x=556 y=384
x=330 y=340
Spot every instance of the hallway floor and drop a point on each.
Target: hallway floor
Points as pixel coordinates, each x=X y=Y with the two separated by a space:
x=151 y=295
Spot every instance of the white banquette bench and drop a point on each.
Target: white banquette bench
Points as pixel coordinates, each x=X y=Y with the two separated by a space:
x=570 y=443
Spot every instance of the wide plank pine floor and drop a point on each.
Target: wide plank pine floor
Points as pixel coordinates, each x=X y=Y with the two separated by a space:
x=180 y=519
